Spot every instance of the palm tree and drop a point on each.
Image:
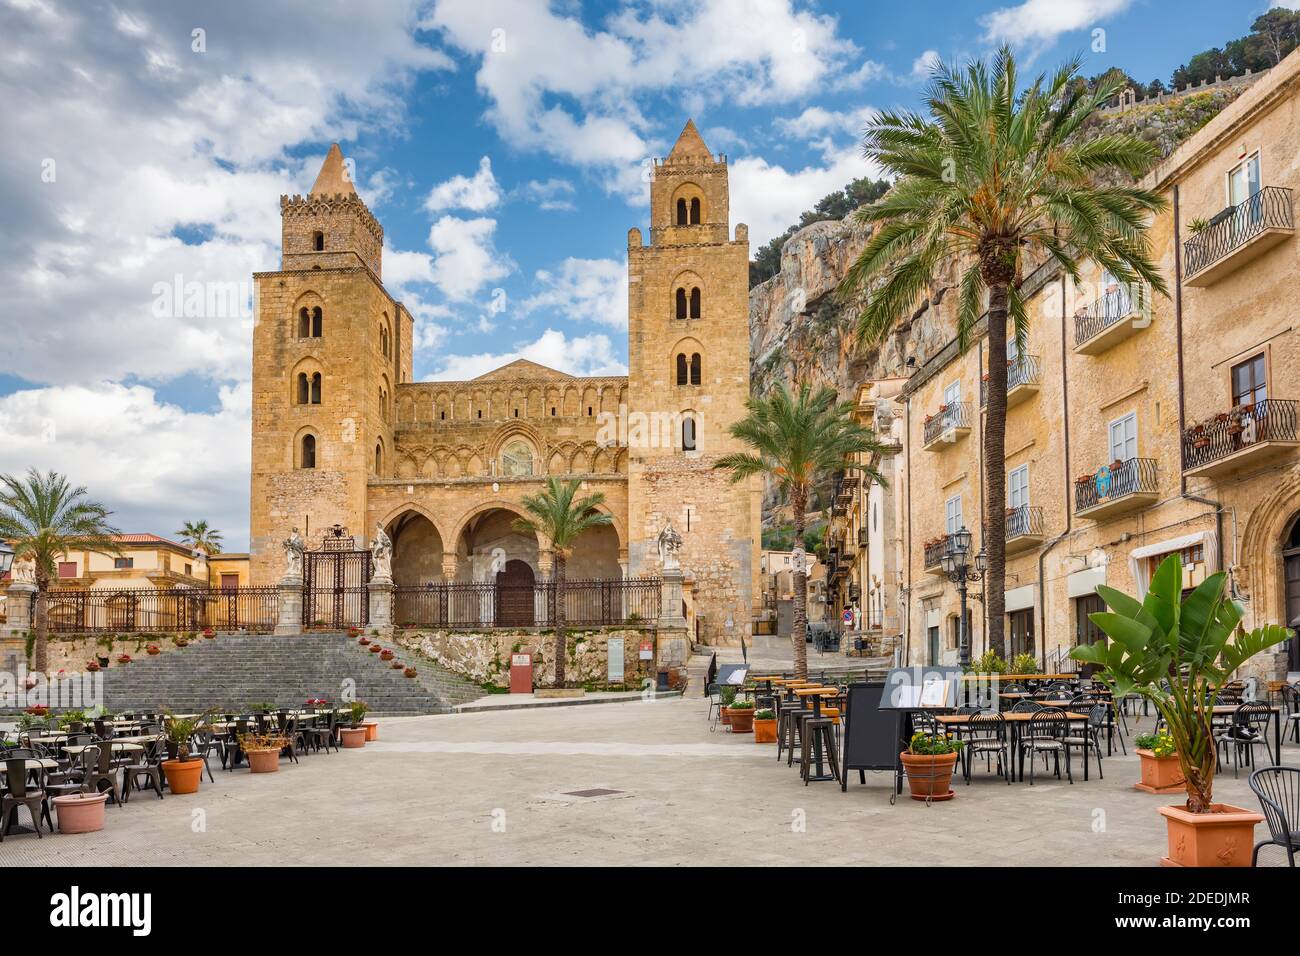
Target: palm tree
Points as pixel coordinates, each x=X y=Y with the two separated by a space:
x=197 y=534
x=45 y=518
x=557 y=517
x=999 y=178
x=796 y=439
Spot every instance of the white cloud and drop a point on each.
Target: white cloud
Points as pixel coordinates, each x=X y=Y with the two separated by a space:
x=583 y=290
x=137 y=455
x=924 y=64
x=817 y=121
x=466 y=259
x=550 y=194
x=1042 y=21
x=580 y=355
x=478 y=193
x=769 y=197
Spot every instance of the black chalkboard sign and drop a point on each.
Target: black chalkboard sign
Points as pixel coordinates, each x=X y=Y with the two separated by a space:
x=873 y=738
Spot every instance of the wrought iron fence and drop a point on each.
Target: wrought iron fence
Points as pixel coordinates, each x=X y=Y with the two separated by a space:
x=593 y=603
x=1020 y=371
x=1270 y=208
x=1272 y=419
x=952 y=415
x=160 y=610
x=1110 y=308
x=1116 y=481
x=334 y=592
x=1026 y=519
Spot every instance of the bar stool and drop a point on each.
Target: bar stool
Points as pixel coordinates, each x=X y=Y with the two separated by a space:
x=815 y=729
x=788 y=728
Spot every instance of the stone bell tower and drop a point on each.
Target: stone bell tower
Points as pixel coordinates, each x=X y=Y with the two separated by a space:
x=688 y=380
x=329 y=348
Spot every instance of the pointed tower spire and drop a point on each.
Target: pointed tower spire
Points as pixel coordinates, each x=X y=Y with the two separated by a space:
x=690 y=145
x=333 y=176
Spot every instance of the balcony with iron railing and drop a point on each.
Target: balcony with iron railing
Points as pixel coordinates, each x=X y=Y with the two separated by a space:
x=1023 y=379
x=934 y=550
x=1246 y=437
x=1024 y=528
x=1239 y=234
x=1118 y=313
x=949 y=424
x=1119 y=487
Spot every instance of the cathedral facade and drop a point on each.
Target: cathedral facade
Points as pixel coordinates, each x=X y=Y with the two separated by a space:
x=342 y=435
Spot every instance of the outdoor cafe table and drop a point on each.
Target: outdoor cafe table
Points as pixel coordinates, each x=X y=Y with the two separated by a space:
x=817 y=693
x=119 y=746
x=961 y=721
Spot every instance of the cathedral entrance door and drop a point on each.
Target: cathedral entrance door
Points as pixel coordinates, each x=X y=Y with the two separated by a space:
x=514 y=598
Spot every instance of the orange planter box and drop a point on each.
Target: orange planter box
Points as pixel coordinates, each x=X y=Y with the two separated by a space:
x=1159 y=774
x=1225 y=837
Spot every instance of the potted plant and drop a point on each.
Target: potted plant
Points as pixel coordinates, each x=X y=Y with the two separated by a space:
x=354 y=734
x=397 y=665
x=124 y=658
x=153 y=650
x=1024 y=664
x=184 y=773
x=1161 y=772
x=410 y=672
x=263 y=751
x=742 y=717
x=80 y=812
x=1177 y=652
x=72 y=721
x=182 y=642
x=92 y=666
x=928 y=762
x=354 y=631
x=765 y=726
x=363 y=640
x=1198 y=225
x=727 y=695
x=209 y=633
x=376 y=649
x=386 y=655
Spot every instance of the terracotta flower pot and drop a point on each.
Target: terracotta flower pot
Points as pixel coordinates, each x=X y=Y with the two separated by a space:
x=80 y=812
x=928 y=775
x=726 y=715
x=385 y=655
x=263 y=761
x=183 y=776
x=1224 y=837
x=765 y=731
x=371 y=729
x=1159 y=774
x=353 y=737
x=742 y=720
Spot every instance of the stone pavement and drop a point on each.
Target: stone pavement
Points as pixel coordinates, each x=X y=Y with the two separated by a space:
x=498 y=788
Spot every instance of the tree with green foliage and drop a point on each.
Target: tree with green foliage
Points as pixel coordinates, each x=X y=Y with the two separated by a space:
x=993 y=178
x=555 y=516
x=795 y=439
x=197 y=534
x=44 y=518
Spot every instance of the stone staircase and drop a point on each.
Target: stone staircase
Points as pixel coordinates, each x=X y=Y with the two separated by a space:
x=234 y=671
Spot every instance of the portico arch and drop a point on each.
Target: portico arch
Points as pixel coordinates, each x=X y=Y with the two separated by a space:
x=417 y=546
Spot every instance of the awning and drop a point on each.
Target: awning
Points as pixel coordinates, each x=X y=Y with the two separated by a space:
x=1137 y=558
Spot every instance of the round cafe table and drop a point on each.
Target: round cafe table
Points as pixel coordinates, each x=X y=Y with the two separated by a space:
x=118 y=747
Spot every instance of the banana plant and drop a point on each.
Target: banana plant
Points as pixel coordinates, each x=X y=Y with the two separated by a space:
x=1177 y=652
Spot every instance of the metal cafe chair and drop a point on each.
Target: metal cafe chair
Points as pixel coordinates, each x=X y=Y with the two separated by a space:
x=986 y=735
x=1249 y=729
x=1046 y=733
x=19 y=794
x=1278 y=789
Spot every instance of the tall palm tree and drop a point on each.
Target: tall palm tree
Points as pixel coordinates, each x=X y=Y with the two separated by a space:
x=796 y=439
x=197 y=534
x=44 y=518
x=999 y=178
x=555 y=515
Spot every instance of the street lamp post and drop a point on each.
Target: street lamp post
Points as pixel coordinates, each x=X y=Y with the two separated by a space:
x=960 y=571
x=6 y=557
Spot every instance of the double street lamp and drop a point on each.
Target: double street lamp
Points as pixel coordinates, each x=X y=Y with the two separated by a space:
x=6 y=557
x=957 y=565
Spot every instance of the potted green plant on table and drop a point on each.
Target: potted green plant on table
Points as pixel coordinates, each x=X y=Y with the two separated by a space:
x=764 y=726
x=742 y=717
x=1161 y=772
x=263 y=751
x=928 y=762
x=183 y=771
x=354 y=734
x=72 y=721
x=1177 y=652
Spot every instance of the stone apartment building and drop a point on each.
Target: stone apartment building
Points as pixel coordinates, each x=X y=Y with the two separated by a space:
x=342 y=435
x=1137 y=425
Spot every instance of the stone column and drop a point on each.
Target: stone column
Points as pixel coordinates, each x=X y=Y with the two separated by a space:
x=670 y=601
x=450 y=567
x=291 y=610
x=381 y=605
x=545 y=563
x=18 y=609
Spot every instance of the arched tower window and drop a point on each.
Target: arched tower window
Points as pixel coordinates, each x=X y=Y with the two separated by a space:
x=304 y=323
x=307 y=452
x=681 y=368
x=695 y=211
x=304 y=390
x=695 y=303
x=317 y=322
x=315 y=388
x=379 y=459
x=695 y=369
x=682 y=219
x=318 y=241
x=688 y=434
x=681 y=303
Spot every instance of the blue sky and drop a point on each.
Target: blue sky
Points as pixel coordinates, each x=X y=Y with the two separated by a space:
x=501 y=143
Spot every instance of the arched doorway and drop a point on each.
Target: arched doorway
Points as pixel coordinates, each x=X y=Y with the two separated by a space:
x=514 y=595
x=1291 y=579
x=417 y=550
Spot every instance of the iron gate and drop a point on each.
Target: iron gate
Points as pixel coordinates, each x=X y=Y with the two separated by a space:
x=334 y=579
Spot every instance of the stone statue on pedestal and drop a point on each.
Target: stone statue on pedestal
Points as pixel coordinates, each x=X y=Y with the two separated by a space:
x=670 y=545
x=381 y=553
x=293 y=549
x=24 y=570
